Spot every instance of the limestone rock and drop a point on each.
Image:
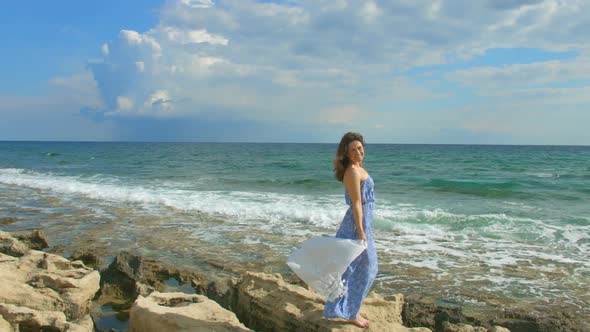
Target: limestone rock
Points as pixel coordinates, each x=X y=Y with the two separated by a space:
x=27 y=319
x=5 y=326
x=86 y=323
x=40 y=289
x=11 y=246
x=35 y=240
x=181 y=312
x=449 y=327
x=267 y=303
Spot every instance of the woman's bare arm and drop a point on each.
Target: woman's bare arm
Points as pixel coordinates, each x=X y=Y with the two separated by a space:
x=352 y=183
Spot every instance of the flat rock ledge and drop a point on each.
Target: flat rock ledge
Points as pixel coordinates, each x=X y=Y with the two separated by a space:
x=41 y=291
x=265 y=302
x=181 y=312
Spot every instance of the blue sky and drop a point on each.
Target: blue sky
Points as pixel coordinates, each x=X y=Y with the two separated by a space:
x=483 y=72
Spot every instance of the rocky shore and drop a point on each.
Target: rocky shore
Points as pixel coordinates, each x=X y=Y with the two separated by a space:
x=41 y=291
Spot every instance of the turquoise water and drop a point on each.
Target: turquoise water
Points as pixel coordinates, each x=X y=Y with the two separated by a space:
x=476 y=224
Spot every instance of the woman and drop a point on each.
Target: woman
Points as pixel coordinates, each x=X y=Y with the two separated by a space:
x=348 y=168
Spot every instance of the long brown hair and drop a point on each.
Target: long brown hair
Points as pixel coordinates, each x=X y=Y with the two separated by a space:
x=341 y=162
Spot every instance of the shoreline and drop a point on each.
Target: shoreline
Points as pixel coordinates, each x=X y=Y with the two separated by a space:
x=437 y=297
x=153 y=237
x=147 y=275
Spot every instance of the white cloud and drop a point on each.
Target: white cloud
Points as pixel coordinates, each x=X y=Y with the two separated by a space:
x=308 y=61
x=193 y=36
x=134 y=38
x=80 y=89
x=346 y=115
x=105 y=49
x=370 y=10
x=564 y=95
x=159 y=100
x=520 y=75
x=124 y=104
x=202 y=66
x=197 y=3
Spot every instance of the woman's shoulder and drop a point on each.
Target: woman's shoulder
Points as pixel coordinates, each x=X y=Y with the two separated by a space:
x=355 y=174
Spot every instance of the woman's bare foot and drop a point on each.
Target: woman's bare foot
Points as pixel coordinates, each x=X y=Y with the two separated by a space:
x=359 y=321
x=363 y=320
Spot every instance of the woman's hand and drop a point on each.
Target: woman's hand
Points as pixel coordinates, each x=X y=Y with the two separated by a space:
x=363 y=238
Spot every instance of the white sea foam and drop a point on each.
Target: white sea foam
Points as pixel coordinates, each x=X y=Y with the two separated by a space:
x=270 y=207
x=404 y=212
x=494 y=260
x=545 y=175
x=275 y=209
x=11 y=171
x=432 y=264
x=575 y=234
x=554 y=257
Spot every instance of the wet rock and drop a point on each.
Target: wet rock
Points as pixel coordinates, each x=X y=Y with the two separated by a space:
x=265 y=302
x=89 y=258
x=118 y=281
x=220 y=292
x=524 y=320
x=36 y=240
x=181 y=312
x=129 y=276
x=7 y=221
x=421 y=311
x=58 y=250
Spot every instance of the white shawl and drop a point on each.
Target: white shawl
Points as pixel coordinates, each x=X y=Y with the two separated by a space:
x=321 y=262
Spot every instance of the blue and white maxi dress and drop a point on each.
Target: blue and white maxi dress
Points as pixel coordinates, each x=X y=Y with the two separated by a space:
x=360 y=274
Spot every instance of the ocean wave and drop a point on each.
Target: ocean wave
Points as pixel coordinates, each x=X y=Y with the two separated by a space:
x=285 y=210
x=438 y=216
x=9 y=171
x=324 y=211
x=413 y=223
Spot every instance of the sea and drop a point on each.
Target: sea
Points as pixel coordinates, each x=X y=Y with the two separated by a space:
x=467 y=225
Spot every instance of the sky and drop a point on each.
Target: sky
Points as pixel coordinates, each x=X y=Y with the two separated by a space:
x=411 y=71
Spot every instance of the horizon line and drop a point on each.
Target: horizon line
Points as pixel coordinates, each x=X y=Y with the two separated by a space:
x=283 y=142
